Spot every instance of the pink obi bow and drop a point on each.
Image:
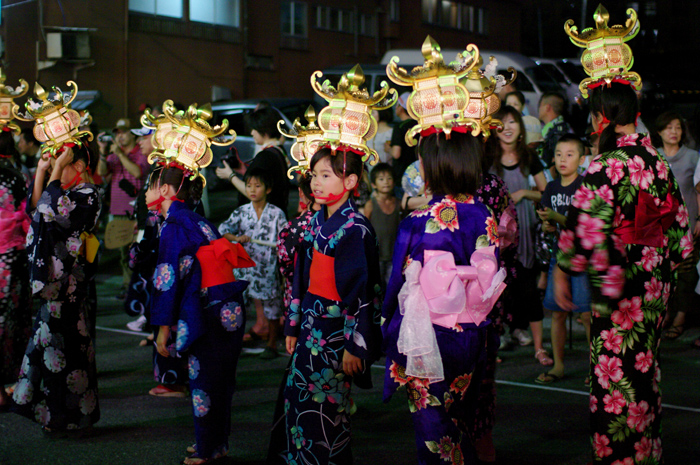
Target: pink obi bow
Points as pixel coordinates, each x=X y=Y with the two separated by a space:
x=445 y=294
x=507 y=227
x=650 y=221
x=13 y=228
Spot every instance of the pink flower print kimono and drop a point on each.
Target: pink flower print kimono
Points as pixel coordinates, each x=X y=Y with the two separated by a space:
x=628 y=229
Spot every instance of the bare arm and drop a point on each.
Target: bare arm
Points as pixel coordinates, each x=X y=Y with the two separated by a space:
x=130 y=166
x=396 y=152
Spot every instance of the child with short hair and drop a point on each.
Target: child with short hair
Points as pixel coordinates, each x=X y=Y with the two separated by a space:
x=384 y=213
x=256 y=225
x=558 y=195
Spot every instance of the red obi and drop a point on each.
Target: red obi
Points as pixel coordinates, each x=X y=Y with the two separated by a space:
x=322 y=279
x=651 y=221
x=218 y=259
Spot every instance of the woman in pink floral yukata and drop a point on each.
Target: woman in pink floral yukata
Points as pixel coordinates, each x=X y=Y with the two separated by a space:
x=628 y=229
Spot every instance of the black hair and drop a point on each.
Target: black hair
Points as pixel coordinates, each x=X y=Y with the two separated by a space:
x=556 y=100
x=305 y=186
x=261 y=175
x=386 y=115
x=343 y=163
x=519 y=95
x=28 y=134
x=264 y=121
x=573 y=138
x=452 y=166
x=82 y=152
x=7 y=146
x=189 y=190
x=663 y=120
x=494 y=152
x=378 y=169
x=618 y=103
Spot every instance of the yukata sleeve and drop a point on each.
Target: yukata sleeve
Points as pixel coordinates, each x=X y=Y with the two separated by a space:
x=285 y=250
x=168 y=282
x=588 y=243
x=63 y=216
x=679 y=234
x=357 y=282
x=232 y=225
x=299 y=287
x=400 y=258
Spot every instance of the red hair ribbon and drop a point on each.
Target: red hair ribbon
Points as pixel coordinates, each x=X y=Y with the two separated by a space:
x=616 y=79
x=601 y=126
x=433 y=130
x=5 y=129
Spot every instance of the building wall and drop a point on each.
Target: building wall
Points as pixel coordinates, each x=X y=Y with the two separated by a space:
x=145 y=59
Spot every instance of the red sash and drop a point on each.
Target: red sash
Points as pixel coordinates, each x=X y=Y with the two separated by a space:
x=650 y=221
x=322 y=279
x=218 y=259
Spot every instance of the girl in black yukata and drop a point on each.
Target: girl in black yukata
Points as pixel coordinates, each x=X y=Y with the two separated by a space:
x=197 y=296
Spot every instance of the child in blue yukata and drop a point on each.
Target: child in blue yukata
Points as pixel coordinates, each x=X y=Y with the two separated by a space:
x=557 y=196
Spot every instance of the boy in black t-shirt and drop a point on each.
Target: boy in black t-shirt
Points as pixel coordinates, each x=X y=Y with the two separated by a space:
x=556 y=198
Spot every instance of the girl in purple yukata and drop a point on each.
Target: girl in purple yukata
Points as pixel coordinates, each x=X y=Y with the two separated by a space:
x=446 y=278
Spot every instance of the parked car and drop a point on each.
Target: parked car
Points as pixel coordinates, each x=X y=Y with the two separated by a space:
x=556 y=68
x=235 y=111
x=532 y=81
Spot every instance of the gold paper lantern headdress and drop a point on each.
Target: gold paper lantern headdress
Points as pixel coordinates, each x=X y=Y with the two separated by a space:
x=307 y=140
x=7 y=96
x=438 y=101
x=347 y=121
x=607 y=58
x=55 y=123
x=186 y=144
x=483 y=87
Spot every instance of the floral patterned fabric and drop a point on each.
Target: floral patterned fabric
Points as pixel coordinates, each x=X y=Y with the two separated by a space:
x=264 y=283
x=15 y=296
x=317 y=392
x=209 y=324
x=58 y=380
x=630 y=283
x=443 y=412
x=288 y=244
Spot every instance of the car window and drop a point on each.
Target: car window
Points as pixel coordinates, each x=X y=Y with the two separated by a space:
x=236 y=119
x=522 y=82
x=544 y=81
x=296 y=110
x=573 y=70
x=555 y=73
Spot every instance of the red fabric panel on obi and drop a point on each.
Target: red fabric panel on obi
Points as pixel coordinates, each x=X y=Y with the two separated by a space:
x=322 y=279
x=651 y=221
x=218 y=259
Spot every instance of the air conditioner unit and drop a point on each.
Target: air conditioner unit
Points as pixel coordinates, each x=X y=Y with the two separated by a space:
x=68 y=45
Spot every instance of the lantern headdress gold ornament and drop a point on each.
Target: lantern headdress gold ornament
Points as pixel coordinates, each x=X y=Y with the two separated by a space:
x=483 y=87
x=347 y=121
x=186 y=144
x=55 y=123
x=160 y=125
x=607 y=58
x=7 y=96
x=438 y=101
x=307 y=140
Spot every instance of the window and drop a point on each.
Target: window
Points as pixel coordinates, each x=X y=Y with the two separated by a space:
x=171 y=8
x=394 y=10
x=456 y=15
x=367 y=25
x=221 y=12
x=293 y=19
x=339 y=20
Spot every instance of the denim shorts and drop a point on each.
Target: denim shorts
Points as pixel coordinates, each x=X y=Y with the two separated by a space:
x=580 y=291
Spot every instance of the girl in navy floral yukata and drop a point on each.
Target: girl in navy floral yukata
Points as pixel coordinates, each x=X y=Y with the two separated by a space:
x=197 y=296
x=332 y=327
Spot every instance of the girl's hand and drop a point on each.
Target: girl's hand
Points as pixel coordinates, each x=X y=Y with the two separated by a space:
x=43 y=164
x=352 y=365
x=696 y=230
x=162 y=340
x=66 y=157
x=243 y=239
x=290 y=343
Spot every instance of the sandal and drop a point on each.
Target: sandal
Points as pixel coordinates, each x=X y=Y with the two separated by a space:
x=252 y=336
x=542 y=357
x=673 y=332
x=166 y=391
x=547 y=378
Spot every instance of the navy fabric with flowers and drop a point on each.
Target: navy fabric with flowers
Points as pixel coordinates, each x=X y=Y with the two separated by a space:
x=210 y=323
x=443 y=412
x=57 y=386
x=630 y=285
x=317 y=392
x=288 y=242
